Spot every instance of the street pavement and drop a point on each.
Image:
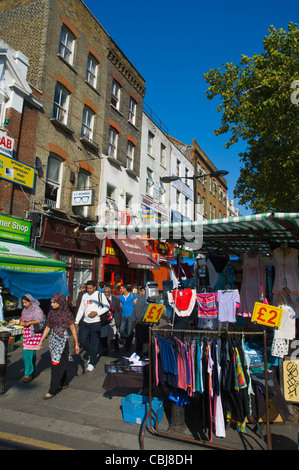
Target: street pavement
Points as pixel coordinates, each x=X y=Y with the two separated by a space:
x=81 y=417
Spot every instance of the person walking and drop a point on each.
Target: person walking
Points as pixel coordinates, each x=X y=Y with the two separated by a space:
x=127 y=300
x=59 y=319
x=109 y=333
x=91 y=309
x=141 y=327
x=33 y=321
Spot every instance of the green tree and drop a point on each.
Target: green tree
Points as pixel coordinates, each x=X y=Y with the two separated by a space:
x=259 y=102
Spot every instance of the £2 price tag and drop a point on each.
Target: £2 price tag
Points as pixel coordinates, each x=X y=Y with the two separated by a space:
x=153 y=313
x=267 y=315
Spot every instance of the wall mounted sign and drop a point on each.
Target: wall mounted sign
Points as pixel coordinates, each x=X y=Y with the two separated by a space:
x=16 y=171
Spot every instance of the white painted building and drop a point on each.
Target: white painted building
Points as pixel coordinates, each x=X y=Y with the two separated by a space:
x=163 y=202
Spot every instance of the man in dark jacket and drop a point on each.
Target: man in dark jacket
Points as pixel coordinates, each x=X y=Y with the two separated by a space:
x=109 y=333
x=141 y=328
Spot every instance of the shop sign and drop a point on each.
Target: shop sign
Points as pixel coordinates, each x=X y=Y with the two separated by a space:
x=61 y=236
x=82 y=197
x=153 y=313
x=16 y=171
x=6 y=144
x=15 y=229
x=267 y=315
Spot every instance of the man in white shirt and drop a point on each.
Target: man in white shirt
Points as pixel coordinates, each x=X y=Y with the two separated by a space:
x=91 y=309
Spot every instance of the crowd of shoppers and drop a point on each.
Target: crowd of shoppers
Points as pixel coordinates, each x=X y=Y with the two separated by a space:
x=86 y=326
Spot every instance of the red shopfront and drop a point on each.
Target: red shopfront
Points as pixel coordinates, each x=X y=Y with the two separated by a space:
x=127 y=261
x=80 y=250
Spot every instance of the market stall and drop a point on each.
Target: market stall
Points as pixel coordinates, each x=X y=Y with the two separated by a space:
x=259 y=265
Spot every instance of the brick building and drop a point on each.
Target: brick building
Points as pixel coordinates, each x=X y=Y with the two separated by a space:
x=92 y=98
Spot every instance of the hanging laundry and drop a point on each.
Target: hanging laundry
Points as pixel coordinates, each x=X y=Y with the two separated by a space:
x=182 y=301
x=228 y=302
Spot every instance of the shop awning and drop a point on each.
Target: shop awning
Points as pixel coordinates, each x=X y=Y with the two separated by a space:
x=136 y=253
x=22 y=258
x=27 y=271
x=233 y=235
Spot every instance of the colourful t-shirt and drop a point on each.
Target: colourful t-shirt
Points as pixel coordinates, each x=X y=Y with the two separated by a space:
x=127 y=304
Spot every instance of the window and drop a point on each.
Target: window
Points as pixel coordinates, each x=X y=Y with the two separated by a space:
x=163 y=155
x=112 y=144
x=149 y=182
x=115 y=94
x=61 y=102
x=66 y=45
x=130 y=155
x=129 y=200
x=92 y=71
x=150 y=144
x=87 y=123
x=178 y=167
x=132 y=111
x=162 y=192
x=53 y=182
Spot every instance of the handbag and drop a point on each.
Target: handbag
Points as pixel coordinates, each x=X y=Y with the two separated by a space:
x=106 y=317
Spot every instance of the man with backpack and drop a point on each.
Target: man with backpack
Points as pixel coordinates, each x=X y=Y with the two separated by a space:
x=91 y=308
x=128 y=301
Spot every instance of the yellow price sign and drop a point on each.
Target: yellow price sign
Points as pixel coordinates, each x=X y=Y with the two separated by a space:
x=153 y=313
x=267 y=315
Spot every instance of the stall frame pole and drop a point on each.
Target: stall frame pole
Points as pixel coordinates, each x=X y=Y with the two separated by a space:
x=155 y=430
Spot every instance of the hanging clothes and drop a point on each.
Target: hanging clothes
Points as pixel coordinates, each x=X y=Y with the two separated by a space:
x=228 y=302
x=182 y=301
x=207 y=305
x=253 y=283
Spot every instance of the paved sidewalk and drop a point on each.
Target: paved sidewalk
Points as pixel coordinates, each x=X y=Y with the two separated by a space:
x=81 y=417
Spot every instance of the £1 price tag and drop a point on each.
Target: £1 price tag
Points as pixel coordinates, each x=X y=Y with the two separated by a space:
x=267 y=315
x=153 y=313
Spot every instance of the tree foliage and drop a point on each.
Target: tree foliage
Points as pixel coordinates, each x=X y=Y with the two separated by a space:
x=257 y=108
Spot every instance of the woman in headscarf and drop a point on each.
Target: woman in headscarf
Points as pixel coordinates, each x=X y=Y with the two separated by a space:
x=33 y=320
x=59 y=320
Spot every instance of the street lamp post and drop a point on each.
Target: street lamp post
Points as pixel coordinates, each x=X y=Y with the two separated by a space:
x=216 y=174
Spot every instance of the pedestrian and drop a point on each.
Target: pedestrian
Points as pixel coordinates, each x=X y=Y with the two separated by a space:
x=33 y=321
x=109 y=333
x=90 y=310
x=59 y=319
x=127 y=300
x=82 y=291
x=141 y=327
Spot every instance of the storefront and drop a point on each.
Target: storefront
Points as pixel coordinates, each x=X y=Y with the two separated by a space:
x=79 y=250
x=24 y=270
x=127 y=261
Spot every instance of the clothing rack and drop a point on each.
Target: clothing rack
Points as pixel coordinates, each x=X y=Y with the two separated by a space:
x=193 y=333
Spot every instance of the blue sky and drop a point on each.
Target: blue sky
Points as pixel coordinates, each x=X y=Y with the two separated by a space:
x=172 y=43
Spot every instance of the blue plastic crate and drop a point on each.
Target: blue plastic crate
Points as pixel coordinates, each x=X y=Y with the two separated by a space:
x=135 y=408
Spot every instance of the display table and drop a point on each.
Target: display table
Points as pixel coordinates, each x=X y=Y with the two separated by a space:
x=126 y=379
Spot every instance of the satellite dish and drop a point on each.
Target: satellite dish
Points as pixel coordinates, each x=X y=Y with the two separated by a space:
x=39 y=167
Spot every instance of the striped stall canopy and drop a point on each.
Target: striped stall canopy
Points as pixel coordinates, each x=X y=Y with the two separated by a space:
x=233 y=235
x=237 y=235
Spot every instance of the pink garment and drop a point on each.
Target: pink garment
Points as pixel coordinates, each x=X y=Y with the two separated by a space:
x=207 y=307
x=254 y=275
x=31 y=342
x=286 y=271
x=182 y=381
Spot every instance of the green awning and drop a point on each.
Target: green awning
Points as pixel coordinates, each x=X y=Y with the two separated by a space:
x=22 y=258
x=233 y=235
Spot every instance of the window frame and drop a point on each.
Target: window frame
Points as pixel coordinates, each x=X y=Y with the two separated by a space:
x=113 y=143
x=132 y=111
x=115 y=98
x=56 y=184
x=92 y=73
x=64 y=46
x=58 y=106
x=130 y=155
x=88 y=113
